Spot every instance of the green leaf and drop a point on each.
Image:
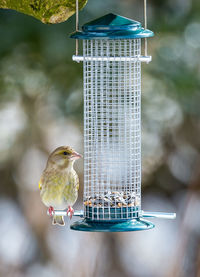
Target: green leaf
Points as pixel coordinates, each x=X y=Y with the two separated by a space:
x=47 y=11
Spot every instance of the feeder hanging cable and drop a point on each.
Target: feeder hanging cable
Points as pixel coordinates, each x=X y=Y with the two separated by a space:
x=145 y=26
x=77 y=26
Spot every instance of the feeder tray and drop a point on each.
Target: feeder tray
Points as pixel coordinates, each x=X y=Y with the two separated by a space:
x=138 y=224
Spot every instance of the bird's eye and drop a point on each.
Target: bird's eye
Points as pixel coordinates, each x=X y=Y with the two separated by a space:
x=65 y=153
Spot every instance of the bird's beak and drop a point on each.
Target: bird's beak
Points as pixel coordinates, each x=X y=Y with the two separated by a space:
x=76 y=156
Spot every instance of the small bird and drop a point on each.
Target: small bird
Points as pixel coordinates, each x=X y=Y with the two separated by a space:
x=59 y=182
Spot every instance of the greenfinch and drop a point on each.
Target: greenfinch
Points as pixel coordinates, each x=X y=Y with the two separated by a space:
x=59 y=182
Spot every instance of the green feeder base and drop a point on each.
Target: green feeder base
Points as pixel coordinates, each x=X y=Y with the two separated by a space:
x=87 y=225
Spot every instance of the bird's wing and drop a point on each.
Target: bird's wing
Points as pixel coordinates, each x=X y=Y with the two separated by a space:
x=74 y=180
x=72 y=185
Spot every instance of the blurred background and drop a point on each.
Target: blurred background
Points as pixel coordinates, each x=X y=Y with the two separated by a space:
x=41 y=107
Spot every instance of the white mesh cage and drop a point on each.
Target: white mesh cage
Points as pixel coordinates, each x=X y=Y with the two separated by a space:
x=112 y=129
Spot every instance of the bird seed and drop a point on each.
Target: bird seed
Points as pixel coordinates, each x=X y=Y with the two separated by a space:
x=113 y=199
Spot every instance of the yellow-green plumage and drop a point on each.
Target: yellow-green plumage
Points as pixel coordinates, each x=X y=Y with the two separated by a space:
x=59 y=183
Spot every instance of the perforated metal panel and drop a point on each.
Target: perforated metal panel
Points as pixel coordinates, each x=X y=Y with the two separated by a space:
x=112 y=129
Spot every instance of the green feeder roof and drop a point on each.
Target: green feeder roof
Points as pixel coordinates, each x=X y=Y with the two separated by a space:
x=112 y=26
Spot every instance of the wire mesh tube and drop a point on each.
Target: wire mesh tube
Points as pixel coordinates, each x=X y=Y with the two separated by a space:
x=112 y=129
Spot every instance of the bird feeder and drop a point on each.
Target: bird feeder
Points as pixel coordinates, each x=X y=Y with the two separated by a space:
x=112 y=125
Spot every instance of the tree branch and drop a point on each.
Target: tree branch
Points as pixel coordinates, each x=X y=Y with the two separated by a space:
x=47 y=11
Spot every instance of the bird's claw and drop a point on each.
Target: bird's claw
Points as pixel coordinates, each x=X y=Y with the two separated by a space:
x=70 y=212
x=51 y=211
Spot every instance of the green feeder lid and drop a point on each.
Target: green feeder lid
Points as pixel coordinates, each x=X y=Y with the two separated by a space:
x=112 y=26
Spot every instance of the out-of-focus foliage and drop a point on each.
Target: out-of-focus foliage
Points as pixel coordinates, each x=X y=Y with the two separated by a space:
x=48 y=11
x=41 y=108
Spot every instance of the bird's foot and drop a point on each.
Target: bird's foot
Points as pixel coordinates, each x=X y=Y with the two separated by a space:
x=51 y=211
x=70 y=211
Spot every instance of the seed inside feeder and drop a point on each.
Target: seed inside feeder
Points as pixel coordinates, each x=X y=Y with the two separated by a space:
x=114 y=199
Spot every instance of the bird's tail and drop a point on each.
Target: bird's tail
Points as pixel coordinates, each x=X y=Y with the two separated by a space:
x=58 y=220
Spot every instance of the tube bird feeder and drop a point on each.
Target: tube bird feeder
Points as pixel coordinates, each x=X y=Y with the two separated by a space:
x=112 y=125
